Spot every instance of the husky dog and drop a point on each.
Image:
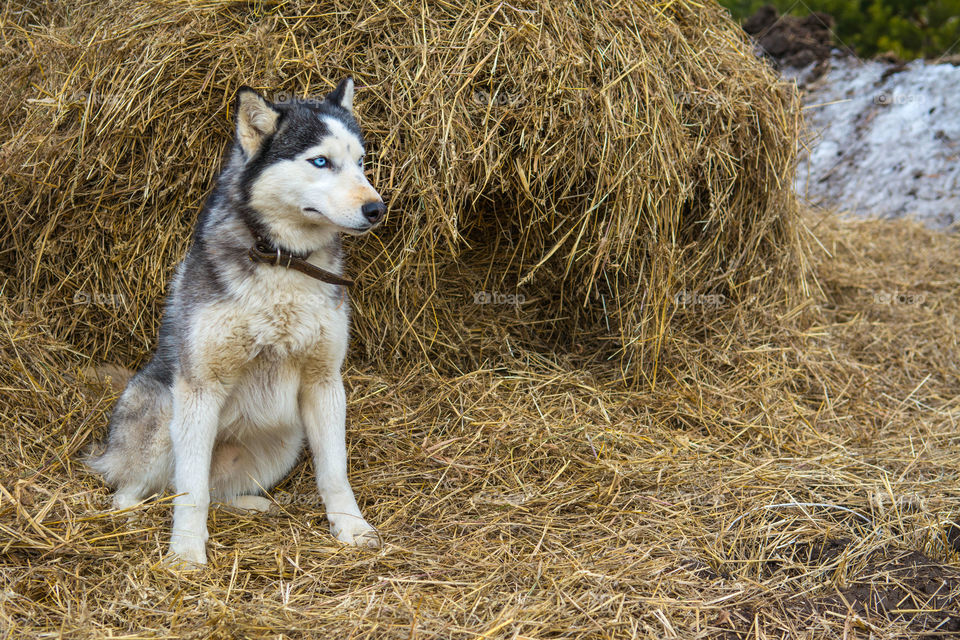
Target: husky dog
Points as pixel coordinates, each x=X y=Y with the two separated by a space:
x=254 y=330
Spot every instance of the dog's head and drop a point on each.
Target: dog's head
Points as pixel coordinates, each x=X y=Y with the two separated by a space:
x=303 y=162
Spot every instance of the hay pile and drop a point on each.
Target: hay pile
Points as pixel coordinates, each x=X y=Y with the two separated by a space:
x=792 y=473
x=593 y=160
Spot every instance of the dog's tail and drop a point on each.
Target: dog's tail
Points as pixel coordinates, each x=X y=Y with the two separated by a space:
x=109 y=375
x=115 y=378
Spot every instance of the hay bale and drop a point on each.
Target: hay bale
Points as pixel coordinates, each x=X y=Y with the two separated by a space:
x=594 y=160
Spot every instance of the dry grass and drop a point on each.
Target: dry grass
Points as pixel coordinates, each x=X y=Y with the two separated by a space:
x=544 y=499
x=792 y=472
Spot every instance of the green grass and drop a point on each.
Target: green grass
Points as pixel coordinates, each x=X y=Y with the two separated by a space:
x=908 y=29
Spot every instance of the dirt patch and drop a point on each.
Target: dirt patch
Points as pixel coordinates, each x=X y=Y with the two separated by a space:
x=790 y=40
x=907 y=587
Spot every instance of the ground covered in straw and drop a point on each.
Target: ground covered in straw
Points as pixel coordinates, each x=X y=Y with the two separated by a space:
x=541 y=498
x=698 y=413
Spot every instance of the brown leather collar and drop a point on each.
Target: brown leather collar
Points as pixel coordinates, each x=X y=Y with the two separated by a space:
x=263 y=252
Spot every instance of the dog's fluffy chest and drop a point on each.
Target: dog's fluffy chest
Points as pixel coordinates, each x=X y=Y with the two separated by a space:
x=291 y=315
x=278 y=315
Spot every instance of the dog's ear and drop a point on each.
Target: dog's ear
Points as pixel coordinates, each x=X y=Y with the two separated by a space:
x=256 y=120
x=342 y=96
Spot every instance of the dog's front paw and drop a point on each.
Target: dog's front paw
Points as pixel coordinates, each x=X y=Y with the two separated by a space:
x=186 y=553
x=356 y=532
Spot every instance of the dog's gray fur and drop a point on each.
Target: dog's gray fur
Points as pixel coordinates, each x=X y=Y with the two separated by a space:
x=249 y=355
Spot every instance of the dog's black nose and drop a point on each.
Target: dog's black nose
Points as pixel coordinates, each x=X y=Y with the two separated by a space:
x=373 y=211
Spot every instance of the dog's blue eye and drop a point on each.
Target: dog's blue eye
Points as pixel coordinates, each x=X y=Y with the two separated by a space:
x=319 y=162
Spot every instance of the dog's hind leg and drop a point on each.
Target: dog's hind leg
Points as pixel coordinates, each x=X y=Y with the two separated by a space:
x=249 y=503
x=138 y=460
x=242 y=469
